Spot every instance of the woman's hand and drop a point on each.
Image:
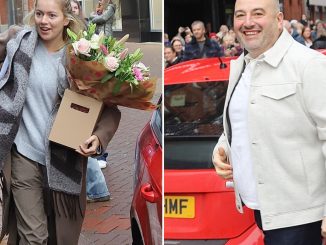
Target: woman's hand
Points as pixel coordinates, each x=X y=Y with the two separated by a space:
x=89 y=147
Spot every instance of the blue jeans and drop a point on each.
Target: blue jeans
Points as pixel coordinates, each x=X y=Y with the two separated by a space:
x=95 y=182
x=307 y=234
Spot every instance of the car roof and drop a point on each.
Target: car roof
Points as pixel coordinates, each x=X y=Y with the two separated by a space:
x=198 y=70
x=323 y=51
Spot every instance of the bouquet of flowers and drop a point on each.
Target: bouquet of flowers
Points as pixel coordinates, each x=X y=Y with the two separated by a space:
x=101 y=67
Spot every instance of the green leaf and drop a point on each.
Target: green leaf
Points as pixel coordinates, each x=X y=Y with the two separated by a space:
x=118 y=72
x=117 y=86
x=107 y=77
x=72 y=35
x=91 y=30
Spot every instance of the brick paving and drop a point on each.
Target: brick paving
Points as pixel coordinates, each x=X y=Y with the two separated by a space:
x=108 y=222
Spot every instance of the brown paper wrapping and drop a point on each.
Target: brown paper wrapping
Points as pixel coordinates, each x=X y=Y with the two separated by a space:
x=85 y=78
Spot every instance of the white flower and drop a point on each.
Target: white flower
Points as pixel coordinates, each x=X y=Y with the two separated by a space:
x=96 y=40
x=142 y=67
x=111 y=63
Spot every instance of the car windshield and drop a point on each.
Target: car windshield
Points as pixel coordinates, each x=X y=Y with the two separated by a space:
x=193 y=116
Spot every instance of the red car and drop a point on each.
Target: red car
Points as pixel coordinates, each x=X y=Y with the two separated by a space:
x=323 y=51
x=198 y=204
x=146 y=206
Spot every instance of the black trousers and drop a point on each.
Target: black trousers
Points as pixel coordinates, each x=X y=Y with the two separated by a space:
x=307 y=234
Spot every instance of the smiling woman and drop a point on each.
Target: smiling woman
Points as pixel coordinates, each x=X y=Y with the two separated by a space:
x=44 y=182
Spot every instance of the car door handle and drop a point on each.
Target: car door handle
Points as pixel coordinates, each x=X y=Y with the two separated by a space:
x=229 y=184
x=148 y=193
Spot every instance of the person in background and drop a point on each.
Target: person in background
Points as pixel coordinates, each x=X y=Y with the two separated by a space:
x=319 y=30
x=212 y=36
x=178 y=47
x=224 y=29
x=188 y=38
x=96 y=187
x=170 y=56
x=200 y=46
x=76 y=9
x=180 y=34
x=319 y=43
x=104 y=17
x=44 y=184
x=229 y=47
x=166 y=39
x=304 y=20
x=306 y=34
x=287 y=26
x=295 y=34
x=274 y=142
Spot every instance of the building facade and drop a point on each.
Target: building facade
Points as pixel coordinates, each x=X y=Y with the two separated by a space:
x=214 y=13
x=141 y=19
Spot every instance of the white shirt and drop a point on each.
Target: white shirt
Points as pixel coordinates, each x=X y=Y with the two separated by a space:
x=240 y=148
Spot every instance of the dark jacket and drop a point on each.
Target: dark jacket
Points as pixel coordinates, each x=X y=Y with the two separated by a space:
x=319 y=43
x=192 y=50
x=176 y=61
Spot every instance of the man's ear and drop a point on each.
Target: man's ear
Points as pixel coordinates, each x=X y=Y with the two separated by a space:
x=280 y=18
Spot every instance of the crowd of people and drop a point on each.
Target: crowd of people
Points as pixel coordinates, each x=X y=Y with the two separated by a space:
x=197 y=42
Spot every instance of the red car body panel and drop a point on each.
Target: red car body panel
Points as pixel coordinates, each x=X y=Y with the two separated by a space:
x=216 y=217
x=323 y=51
x=215 y=205
x=146 y=207
x=199 y=70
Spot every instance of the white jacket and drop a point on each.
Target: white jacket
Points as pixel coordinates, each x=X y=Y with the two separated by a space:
x=287 y=132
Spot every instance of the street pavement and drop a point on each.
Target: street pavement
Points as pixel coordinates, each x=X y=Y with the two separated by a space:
x=107 y=223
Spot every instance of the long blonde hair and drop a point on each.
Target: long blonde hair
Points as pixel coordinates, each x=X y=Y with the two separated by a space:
x=75 y=23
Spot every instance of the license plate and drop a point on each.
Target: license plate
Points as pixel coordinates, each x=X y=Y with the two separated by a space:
x=179 y=207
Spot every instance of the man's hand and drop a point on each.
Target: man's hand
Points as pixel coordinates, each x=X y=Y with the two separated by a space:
x=181 y=29
x=323 y=228
x=89 y=147
x=188 y=31
x=222 y=165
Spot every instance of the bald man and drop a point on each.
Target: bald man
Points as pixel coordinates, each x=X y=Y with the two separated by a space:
x=274 y=141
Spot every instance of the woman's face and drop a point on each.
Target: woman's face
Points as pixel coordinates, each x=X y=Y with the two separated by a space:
x=50 y=22
x=307 y=33
x=74 y=7
x=177 y=45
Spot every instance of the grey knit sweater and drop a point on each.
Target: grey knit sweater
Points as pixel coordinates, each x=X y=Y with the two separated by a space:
x=41 y=96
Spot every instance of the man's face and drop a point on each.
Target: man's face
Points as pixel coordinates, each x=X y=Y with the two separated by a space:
x=198 y=30
x=169 y=55
x=257 y=24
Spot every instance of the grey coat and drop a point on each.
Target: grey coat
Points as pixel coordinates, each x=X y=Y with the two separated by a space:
x=104 y=21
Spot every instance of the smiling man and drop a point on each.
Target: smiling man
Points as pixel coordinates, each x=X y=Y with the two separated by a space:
x=274 y=141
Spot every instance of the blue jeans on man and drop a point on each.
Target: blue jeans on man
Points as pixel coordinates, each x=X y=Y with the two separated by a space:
x=96 y=187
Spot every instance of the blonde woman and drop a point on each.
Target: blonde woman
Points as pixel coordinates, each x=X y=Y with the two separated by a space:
x=43 y=189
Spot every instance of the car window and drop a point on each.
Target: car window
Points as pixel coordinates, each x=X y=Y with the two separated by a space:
x=193 y=116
